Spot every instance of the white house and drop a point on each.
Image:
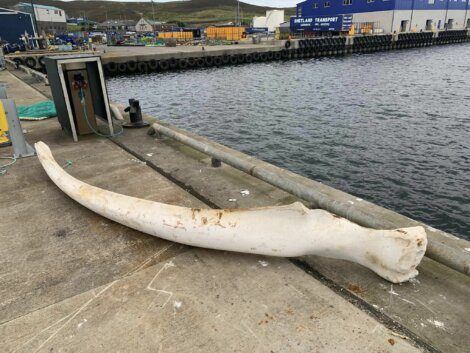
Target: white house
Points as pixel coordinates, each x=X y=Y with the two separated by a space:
x=143 y=25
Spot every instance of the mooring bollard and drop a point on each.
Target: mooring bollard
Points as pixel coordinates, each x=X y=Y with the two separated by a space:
x=216 y=163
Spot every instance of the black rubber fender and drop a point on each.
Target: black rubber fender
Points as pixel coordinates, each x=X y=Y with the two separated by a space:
x=131 y=66
x=111 y=67
x=173 y=63
x=288 y=44
x=277 y=55
x=163 y=65
x=301 y=44
x=153 y=65
x=233 y=59
x=18 y=61
x=30 y=62
x=226 y=59
x=209 y=61
x=263 y=57
x=270 y=55
x=122 y=68
x=200 y=62
x=142 y=66
x=249 y=58
x=183 y=64
x=191 y=62
x=284 y=54
x=42 y=61
x=256 y=57
x=241 y=58
x=218 y=61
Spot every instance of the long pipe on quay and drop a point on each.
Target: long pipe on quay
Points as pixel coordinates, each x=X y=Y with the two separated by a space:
x=442 y=247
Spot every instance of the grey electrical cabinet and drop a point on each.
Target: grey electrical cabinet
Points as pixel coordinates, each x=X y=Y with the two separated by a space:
x=79 y=92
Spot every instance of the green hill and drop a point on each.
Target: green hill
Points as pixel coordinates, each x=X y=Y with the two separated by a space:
x=191 y=12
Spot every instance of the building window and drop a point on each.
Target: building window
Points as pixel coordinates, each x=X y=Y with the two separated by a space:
x=315 y=5
x=431 y=2
x=370 y=1
x=347 y=2
x=327 y=4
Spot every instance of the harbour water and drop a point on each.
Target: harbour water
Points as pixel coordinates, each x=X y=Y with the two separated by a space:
x=392 y=128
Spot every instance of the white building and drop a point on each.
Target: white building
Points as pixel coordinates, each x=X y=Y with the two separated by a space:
x=49 y=19
x=271 y=21
x=143 y=26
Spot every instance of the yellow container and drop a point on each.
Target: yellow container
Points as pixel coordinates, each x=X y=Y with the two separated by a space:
x=176 y=35
x=225 y=33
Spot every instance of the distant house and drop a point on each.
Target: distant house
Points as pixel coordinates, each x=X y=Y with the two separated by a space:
x=118 y=25
x=13 y=25
x=49 y=19
x=80 y=21
x=144 y=25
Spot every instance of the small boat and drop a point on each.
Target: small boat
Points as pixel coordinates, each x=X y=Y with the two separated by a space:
x=286 y=231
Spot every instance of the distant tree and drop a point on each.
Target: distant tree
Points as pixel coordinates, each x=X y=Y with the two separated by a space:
x=181 y=24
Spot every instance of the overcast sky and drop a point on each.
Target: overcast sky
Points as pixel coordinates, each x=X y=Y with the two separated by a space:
x=270 y=3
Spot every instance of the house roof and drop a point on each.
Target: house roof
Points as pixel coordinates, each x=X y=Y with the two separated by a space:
x=39 y=6
x=118 y=23
x=4 y=11
x=151 y=22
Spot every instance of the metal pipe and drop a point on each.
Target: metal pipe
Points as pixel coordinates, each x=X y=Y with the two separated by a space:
x=442 y=247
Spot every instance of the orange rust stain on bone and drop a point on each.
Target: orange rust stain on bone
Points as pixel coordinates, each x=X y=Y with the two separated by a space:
x=419 y=242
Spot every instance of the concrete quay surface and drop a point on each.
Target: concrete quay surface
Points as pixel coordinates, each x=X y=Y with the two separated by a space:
x=71 y=280
x=119 y=54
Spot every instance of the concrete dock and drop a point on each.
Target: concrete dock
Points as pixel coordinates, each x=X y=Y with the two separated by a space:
x=120 y=60
x=71 y=280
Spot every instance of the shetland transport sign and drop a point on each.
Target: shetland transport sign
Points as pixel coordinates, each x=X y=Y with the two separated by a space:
x=325 y=23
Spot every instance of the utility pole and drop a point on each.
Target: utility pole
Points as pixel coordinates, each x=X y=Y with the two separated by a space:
x=412 y=13
x=153 y=14
x=238 y=13
x=466 y=20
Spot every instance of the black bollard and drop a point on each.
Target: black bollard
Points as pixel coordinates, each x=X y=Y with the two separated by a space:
x=135 y=115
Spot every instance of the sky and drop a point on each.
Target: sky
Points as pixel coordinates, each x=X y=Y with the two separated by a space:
x=270 y=3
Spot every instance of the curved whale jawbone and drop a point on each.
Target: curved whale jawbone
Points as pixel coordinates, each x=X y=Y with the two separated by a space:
x=286 y=231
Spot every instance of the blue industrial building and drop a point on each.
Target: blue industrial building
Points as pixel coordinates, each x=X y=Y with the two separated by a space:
x=382 y=16
x=14 y=25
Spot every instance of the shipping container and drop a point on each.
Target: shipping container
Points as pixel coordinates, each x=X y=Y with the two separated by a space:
x=176 y=35
x=226 y=33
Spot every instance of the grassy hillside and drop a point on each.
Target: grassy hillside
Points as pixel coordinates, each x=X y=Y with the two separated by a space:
x=191 y=12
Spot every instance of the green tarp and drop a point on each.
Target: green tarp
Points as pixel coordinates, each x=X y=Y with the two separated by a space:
x=38 y=111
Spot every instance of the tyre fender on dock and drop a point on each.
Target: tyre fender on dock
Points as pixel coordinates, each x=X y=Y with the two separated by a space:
x=164 y=65
x=142 y=66
x=153 y=65
x=233 y=60
x=183 y=64
x=122 y=67
x=30 y=62
x=111 y=67
x=132 y=66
